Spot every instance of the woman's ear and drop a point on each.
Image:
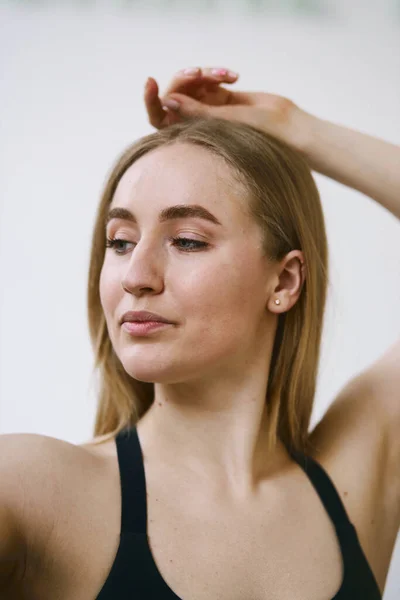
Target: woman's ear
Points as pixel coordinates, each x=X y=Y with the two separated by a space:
x=291 y=277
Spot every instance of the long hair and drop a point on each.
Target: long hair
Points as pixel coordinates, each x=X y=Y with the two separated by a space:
x=283 y=198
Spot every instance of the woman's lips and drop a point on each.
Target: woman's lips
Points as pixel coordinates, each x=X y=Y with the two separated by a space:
x=142 y=328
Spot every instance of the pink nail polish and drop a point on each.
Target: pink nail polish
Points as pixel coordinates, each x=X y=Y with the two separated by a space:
x=191 y=71
x=220 y=72
x=171 y=103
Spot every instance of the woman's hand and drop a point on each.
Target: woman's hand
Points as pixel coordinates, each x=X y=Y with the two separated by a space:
x=200 y=93
x=355 y=159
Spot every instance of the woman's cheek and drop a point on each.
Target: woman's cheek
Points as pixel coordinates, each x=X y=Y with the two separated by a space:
x=108 y=288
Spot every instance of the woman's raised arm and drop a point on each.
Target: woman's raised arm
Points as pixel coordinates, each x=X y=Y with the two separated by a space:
x=358 y=160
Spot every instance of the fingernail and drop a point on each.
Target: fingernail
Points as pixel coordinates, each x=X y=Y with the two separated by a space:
x=171 y=103
x=191 y=71
x=233 y=74
x=220 y=72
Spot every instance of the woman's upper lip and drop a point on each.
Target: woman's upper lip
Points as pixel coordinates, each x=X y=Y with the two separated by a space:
x=141 y=316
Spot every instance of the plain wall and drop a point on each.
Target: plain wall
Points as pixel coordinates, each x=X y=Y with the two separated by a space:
x=71 y=90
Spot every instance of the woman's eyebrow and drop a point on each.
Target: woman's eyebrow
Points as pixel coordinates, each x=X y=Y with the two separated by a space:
x=180 y=211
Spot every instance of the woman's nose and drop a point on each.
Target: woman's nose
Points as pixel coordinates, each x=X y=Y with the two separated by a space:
x=144 y=272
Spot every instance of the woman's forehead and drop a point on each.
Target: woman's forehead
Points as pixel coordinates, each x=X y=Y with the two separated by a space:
x=183 y=164
x=180 y=174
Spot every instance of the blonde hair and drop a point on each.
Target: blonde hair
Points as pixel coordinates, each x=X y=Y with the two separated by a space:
x=284 y=200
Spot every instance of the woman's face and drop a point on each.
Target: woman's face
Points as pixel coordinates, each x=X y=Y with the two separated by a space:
x=214 y=292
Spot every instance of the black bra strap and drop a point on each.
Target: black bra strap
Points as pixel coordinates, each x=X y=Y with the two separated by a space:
x=327 y=492
x=133 y=482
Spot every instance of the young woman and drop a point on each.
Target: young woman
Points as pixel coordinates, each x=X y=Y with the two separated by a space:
x=206 y=299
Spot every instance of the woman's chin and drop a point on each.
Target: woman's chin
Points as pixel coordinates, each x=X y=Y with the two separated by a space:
x=148 y=374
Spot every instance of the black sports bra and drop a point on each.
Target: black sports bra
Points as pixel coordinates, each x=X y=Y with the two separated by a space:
x=145 y=582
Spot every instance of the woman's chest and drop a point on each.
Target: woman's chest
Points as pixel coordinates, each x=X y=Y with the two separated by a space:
x=269 y=550
x=283 y=545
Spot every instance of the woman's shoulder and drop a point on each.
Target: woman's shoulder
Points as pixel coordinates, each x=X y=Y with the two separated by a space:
x=33 y=456
x=31 y=459
x=40 y=468
x=100 y=446
x=31 y=467
x=57 y=485
x=353 y=444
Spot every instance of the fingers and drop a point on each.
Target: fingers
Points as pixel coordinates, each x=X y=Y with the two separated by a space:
x=186 y=81
x=184 y=106
x=221 y=73
x=190 y=76
x=154 y=107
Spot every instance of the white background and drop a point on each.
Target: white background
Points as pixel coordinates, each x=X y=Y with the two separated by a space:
x=71 y=100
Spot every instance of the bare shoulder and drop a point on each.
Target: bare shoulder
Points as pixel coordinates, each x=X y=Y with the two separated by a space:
x=37 y=462
x=101 y=446
x=357 y=443
x=37 y=470
x=29 y=463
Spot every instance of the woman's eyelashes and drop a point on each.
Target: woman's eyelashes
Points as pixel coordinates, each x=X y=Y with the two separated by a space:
x=195 y=245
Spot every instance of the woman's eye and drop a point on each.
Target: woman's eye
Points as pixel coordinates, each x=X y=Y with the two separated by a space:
x=194 y=244
x=113 y=243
